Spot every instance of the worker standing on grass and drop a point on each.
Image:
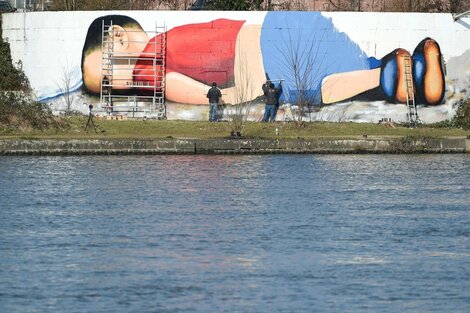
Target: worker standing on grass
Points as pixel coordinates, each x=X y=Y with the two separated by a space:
x=272 y=95
x=214 y=96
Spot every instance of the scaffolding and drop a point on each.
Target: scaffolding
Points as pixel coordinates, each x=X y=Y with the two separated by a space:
x=133 y=82
x=413 y=118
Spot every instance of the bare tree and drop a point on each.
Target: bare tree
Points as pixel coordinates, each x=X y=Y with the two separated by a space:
x=65 y=87
x=434 y=6
x=66 y=5
x=176 y=4
x=291 y=5
x=73 y=5
x=244 y=95
x=345 y=5
x=459 y=6
x=301 y=61
x=415 y=6
x=143 y=4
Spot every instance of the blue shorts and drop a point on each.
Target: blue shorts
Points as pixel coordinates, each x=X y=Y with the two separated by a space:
x=323 y=50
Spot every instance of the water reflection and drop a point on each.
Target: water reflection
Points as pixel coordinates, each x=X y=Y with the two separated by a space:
x=234 y=233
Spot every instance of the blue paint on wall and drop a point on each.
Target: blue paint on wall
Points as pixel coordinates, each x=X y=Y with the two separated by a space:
x=319 y=47
x=388 y=78
x=418 y=70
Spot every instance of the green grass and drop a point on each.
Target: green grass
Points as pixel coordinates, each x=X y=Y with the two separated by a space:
x=109 y=129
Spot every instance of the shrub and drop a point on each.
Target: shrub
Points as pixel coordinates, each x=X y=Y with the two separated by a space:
x=462 y=116
x=13 y=77
x=19 y=112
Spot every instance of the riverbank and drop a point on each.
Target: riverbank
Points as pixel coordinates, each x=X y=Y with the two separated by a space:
x=154 y=129
x=190 y=137
x=233 y=146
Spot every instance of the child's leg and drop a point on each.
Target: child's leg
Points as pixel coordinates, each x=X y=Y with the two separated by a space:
x=428 y=77
x=390 y=77
x=342 y=86
x=307 y=46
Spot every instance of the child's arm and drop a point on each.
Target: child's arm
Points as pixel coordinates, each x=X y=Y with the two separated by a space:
x=183 y=89
x=342 y=86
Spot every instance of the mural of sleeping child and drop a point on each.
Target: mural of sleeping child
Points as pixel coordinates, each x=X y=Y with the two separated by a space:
x=224 y=50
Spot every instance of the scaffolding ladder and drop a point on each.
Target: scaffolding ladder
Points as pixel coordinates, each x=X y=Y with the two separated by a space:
x=145 y=89
x=107 y=49
x=159 y=104
x=410 y=93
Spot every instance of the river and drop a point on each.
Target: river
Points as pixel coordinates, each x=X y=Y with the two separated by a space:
x=263 y=233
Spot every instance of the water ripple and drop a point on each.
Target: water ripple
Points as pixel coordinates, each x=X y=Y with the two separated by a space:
x=281 y=233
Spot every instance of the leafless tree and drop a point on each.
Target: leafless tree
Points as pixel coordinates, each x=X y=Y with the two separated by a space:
x=345 y=5
x=175 y=4
x=73 y=5
x=66 y=5
x=301 y=61
x=459 y=6
x=142 y=4
x=412 y=6
x=291 y=5
x=65 y=87
x=244 y=95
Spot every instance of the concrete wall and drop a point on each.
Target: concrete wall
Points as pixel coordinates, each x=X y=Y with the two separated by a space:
x=350 y=51
x=233 y=146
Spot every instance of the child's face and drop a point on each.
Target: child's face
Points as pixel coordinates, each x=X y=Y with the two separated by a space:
x=126 y=49
x=121 y=74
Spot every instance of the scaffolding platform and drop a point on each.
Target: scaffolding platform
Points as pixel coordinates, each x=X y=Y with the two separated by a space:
x=125 y=89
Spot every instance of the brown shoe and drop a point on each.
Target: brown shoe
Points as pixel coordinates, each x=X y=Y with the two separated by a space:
x=392 y=75
x=428 y=72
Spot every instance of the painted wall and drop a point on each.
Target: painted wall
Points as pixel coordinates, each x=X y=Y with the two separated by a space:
x=350 y=63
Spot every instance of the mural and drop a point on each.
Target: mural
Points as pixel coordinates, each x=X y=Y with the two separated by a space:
x=345 y=74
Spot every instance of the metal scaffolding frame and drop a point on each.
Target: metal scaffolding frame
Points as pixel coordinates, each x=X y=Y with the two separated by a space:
x=413 y=118
x=144 y=92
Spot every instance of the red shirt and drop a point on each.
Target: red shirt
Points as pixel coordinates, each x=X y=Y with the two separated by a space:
x=203 y=51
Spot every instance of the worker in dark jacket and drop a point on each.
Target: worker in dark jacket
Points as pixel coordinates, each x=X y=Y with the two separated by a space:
x=214 y=96
x=272 y=95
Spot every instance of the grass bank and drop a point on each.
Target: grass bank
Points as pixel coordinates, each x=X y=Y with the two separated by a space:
x=120 y=129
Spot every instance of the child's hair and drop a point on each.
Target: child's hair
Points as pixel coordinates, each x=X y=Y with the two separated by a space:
x=94 y=36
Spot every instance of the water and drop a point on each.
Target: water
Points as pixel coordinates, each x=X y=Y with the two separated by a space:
x=296 y=233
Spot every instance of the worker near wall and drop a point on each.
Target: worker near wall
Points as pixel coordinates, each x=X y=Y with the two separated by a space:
x=271 y=94
x=214 y=96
